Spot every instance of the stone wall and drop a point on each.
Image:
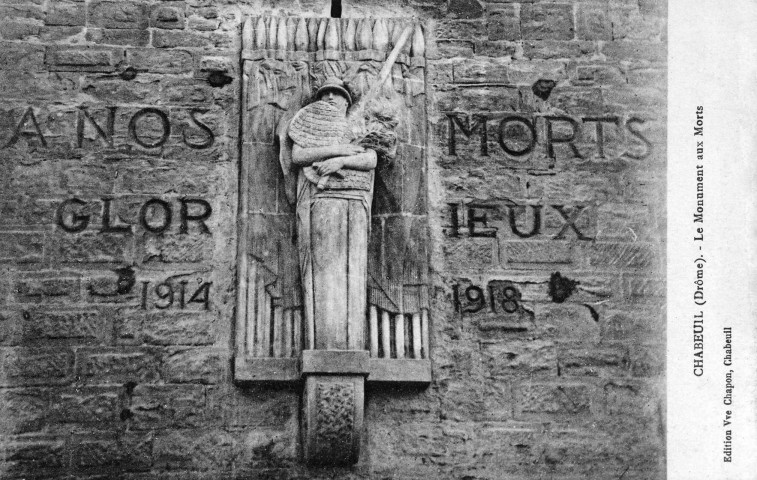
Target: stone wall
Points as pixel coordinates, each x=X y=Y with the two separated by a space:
x=118 y=197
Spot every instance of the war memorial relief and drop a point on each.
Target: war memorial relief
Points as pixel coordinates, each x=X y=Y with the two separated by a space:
x=332 y=239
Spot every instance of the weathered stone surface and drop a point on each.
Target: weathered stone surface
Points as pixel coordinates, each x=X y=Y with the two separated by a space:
x=30 y=366
x=96 y=384
x=84 y=326
x=593 y=361
x=160 y=61
x=480 y=72
x=503 y=23
x=130 y=37
x=125 y=452
x=194 y=365
x=96 y=366
x=24 y=410
x=534 y=398
x=41 y=287
x=66 y=14
x=505 y=358
x=204 y=449
x=167 y=407
x=109 y=14
x=94 y=407
x=25 y=456
x=593 y=22
x=538 y=252
x=98 y=248
x=186 y=328
x=546 y=21
x=471 y=252
x=168 y=16
x=21 y=247
x=81 y=59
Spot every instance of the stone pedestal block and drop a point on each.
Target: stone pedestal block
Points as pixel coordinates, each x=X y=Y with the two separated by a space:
x=332 y=419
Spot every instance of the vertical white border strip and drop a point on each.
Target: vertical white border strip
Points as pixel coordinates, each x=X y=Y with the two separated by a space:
x=712 y=58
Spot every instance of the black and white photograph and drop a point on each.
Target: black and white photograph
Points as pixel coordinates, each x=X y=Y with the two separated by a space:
x=401 y=239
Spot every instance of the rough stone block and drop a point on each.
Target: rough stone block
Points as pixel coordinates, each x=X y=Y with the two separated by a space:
x=648 y=52
x=26 y=456
x=90 y=248
x=546 y=21
x=624 y=256
x=455 y=48
x=32 y=366
x=470 y=253
x=635 y=325
x=21 y=247
x=564 y=399
x=103 y=366
x=631 y=400
x=176 y=249
x=593 y=361
x=479 y=99
x=460 y=30
x=17 y=10
x=95 y=407
x=190 y=328
x=439 y=72
x=647 y=360
x=10 y=326
x=122 y=453
x=538 y=252
x=602 y=75
x=60 y=34
x=130 y=37
x=24 y=211
x=21 y=56
x=18 y=30
x=567 y=321
x=556 y=50
x=628 y=23
x=480 y=72
x=24 y=410
x=465 y=9
x=181 y=39
x=503 y=49
x=185 y=179
x=127 y=14
x=593 y=22
x=210 y=449
x=46 y=287
x=516 y=357
x=201 y=24
x=160 y=61
x=62 y=325
x=195 y=365
x=140 y=89
x=639 y=288
x=503 y=23
x=66 y=14
x=462 y=400
x=80 y=59
x=168 y=15
x=252 y=406
x=167 y=407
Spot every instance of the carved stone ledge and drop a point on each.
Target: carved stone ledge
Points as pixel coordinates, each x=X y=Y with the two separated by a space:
x=289 y=370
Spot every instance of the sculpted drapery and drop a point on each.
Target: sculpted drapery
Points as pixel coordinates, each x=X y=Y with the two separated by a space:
x=334 y=194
